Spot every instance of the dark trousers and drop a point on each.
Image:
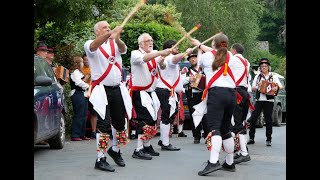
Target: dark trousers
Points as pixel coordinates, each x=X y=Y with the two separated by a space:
x=115 y=110
x=240 y=111
x=194 y=99
x=220 y=107
x=143 y=115
x=163 y=96
x=267 y=107
x=80 y=111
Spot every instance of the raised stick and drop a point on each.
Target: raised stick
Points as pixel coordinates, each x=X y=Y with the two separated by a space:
x=133 y=11
x=207 y=40
x=186 y=35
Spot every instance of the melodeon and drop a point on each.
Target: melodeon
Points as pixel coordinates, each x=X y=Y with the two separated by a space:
x=62 y=73
x=200 y=82
x=266 y=88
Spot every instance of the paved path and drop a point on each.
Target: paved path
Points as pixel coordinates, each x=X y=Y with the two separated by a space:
x=76 y=161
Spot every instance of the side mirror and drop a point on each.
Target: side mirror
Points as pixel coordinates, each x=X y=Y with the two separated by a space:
x=43 y=81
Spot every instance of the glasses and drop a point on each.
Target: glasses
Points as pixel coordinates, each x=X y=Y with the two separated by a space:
x=149 y=40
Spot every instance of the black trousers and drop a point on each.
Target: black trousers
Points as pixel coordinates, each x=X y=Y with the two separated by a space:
x=194 y=99
x=115 y=110
x=267 y=107
x=220 y=107
x=240 y=111
x=163 y=96
x=143 y=115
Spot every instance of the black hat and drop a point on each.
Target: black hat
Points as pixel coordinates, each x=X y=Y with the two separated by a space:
x=191 y=55
x=51 y=49
x=42 y=46
x=264 y=61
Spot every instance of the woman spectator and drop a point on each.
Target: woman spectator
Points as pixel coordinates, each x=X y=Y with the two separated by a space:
x=79 y=101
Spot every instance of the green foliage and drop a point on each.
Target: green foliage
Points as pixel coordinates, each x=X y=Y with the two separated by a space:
x=238 y=19
x=69 y=114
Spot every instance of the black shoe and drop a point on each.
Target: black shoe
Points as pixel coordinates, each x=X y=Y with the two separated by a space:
x=116 y=156
x=141 y=154
x=251 y=141
x=181 y=134
x=151 y=151
x=93 y=135
x=228 y=167
x=169 y=148
x=160 y=143
x=210 y=168
x=268 y=143
x=103 y=165
x=196 y=140
x=240 y=158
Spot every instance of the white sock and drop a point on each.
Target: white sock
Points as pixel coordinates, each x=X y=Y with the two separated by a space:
x=114 y=140
x=164 y=133
x=243 y=143
x=147 y=143
x=228 y=145
x=140 y=142
x=215 y=150
x=180 y=127
x=100 y=153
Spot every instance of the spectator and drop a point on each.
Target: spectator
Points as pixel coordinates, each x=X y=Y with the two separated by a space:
x=79 y=101
x=87 y=78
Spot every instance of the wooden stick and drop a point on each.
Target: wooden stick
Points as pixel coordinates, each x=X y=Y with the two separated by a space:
x=207 y=40
x=188 y=34
x=133 y=11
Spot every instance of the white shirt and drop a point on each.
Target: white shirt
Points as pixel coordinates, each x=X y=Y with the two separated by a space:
x=245 y=79
x=141 y=75
x=76 y=76
x=235 y=65
x=170 y=74
x=255 y=81
x=99 y=63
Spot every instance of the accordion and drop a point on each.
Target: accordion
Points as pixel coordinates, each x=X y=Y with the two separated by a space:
x=62 y=74
x=266 y=88
x=199 y=83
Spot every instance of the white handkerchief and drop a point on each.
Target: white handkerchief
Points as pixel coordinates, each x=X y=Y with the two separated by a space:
x=156 y=104
x=172 y=102
x=199 y=111
x=99 y=100
x=126 y=99
x=146 y=101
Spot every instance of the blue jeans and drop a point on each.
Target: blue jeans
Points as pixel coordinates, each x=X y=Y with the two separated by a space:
x=80 y=111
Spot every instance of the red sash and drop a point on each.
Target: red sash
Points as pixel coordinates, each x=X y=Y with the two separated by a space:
x=168 y=85
x=111 y=60
x=152 y=69
x=219 y=73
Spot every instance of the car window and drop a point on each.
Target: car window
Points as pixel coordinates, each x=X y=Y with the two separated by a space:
x=42 y=68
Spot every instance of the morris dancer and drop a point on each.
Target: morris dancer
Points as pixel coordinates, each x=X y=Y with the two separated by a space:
x=168 y=87
x=108 y=95
x=241 y=110
x=144 y=74
x=222 y=71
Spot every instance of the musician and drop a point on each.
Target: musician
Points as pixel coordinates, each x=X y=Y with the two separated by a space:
x=222 y=70
x=168 y=87
x=241 y=110
x=104 y=56
x=145 y=64
x=264 y=102
x=193 y=95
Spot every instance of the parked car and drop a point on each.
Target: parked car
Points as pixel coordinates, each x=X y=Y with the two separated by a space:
x=279 y=108
x=49 y=106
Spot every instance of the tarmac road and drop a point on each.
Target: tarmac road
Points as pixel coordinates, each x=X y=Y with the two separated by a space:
x=76 y=161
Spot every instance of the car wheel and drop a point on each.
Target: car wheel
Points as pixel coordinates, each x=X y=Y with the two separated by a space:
x=277 y=116
x=58 y=141
x=260 y=121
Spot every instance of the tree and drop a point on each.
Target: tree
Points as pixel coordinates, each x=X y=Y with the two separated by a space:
x=238 y=19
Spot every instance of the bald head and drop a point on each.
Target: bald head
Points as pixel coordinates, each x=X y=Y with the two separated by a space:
x=101 y=27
